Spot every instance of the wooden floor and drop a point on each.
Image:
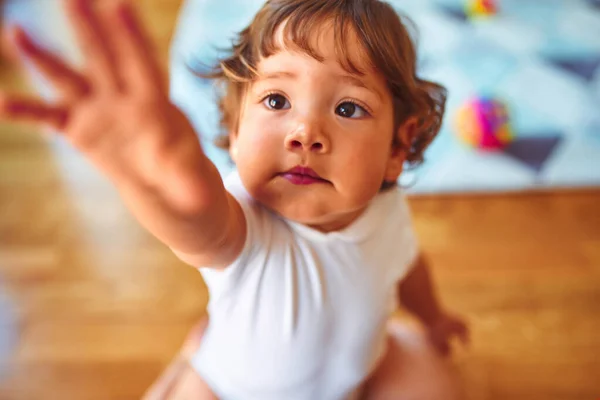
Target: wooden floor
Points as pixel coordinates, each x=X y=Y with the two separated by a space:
x=102 y=306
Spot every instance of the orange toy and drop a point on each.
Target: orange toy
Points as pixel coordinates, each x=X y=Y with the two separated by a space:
x=481 y=8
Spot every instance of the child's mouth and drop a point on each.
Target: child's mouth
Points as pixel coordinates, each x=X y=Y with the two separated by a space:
x=302 y=176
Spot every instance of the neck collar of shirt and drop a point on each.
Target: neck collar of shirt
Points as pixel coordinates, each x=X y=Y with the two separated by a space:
x=360 y=230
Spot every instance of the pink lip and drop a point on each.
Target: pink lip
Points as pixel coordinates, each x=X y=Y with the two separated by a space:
x=302 y=176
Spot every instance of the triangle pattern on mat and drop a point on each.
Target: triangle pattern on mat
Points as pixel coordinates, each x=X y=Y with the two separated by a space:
x=456 y=13
x=583 y=67
x=534 y=151
x=594 y=3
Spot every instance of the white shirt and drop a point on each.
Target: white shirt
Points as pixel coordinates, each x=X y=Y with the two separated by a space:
x=300 y=315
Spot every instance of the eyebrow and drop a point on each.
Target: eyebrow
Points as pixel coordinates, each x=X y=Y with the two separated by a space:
x=354 y=81
x=350 y=79
x=278 y=75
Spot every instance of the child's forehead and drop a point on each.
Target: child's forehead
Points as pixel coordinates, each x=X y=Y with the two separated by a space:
x=325 y=44
x=291 y=63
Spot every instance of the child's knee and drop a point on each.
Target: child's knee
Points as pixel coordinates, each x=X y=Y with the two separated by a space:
x=411 y=369
x=194 y=338
x=192 y=387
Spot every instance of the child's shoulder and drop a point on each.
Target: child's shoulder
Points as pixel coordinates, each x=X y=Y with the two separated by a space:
x=233 y=184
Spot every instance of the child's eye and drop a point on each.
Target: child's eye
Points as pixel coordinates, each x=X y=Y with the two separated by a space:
x=276 y=102
x=350 y=109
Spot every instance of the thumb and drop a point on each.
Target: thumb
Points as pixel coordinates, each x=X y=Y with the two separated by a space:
x=463 y=334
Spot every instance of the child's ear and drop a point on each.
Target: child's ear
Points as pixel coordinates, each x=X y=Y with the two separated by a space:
x=404 y=138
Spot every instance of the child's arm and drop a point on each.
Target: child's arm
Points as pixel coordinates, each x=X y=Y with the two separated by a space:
x=116 y=112
x=417 y=293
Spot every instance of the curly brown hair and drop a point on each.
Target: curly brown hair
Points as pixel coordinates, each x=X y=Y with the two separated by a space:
x=381 y=33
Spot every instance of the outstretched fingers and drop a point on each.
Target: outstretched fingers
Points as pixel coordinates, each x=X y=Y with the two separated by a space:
x=69 y=83
x=24 y=109
x=134 y=49
x=118 y=50
x=93 y=36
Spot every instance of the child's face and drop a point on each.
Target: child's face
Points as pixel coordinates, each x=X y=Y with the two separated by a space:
x=301 y=112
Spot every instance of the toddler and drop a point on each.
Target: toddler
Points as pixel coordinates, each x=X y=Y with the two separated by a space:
x=308 y=246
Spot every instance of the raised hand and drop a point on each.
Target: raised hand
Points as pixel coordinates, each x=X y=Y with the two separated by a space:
x=115 y=110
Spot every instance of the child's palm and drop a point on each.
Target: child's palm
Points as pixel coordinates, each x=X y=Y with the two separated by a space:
x=127 y=136
x=116 y=112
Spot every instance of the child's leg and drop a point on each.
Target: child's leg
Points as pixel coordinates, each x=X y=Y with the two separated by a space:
x=180 y=381
x=411 y=369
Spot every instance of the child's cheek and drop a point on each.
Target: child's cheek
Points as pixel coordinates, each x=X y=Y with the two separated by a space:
x=258 y=139
x=362 y=163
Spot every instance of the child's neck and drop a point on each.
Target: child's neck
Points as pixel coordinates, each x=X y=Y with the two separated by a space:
x=338 y=222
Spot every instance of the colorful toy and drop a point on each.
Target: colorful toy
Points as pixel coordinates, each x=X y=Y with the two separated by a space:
x=483 y=123
x=481 y=8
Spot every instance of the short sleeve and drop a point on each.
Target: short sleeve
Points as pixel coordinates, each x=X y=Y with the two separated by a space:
x=400 y=237
x=408 y=234
x=259 y=226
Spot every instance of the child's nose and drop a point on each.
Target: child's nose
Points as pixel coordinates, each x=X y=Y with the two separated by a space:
x=304 y=140
x=299 y=144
